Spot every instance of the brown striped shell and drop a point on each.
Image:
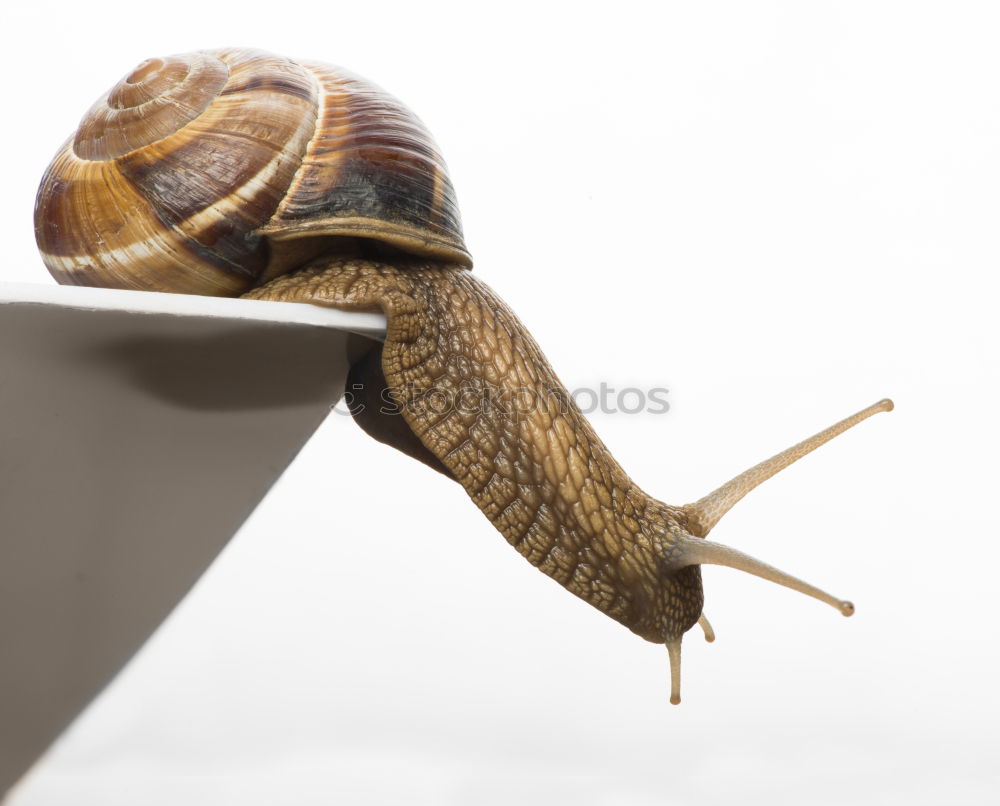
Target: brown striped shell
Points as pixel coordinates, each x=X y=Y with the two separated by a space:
x=203 y=173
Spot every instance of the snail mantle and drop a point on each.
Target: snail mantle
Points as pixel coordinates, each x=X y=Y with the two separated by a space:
x=112 y=395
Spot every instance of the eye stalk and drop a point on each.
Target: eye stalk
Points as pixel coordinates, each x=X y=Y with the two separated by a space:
x=705 y=513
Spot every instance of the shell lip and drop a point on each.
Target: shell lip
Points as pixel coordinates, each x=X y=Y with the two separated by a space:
x=413 y=240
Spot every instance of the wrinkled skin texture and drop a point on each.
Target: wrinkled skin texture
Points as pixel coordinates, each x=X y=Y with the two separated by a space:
x=475 y=389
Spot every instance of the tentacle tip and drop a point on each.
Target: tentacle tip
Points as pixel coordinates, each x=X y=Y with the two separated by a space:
x=706 y=628
x=675 y=699
x=847 y=608
x=885 y=404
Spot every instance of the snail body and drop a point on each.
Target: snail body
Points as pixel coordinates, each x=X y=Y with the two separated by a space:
x=243 y=173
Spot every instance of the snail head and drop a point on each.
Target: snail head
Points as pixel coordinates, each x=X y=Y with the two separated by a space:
x=686 y=547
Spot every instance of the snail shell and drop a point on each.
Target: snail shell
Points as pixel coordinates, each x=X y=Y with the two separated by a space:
x=215 y=171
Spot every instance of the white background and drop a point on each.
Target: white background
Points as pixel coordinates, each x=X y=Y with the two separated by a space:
x=779 y=211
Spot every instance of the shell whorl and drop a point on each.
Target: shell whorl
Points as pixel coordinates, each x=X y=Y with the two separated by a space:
x=152 y=102
x=194 y=172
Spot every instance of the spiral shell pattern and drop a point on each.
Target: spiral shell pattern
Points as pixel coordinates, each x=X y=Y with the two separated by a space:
x=194 y=172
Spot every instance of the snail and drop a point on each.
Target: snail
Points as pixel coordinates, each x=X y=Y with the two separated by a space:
x=242 y=173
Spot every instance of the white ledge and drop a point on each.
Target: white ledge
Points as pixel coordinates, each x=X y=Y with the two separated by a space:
x=151 y=302
x=137 y=432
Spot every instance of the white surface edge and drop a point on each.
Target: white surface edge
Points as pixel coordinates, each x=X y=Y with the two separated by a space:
x=153 y=302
